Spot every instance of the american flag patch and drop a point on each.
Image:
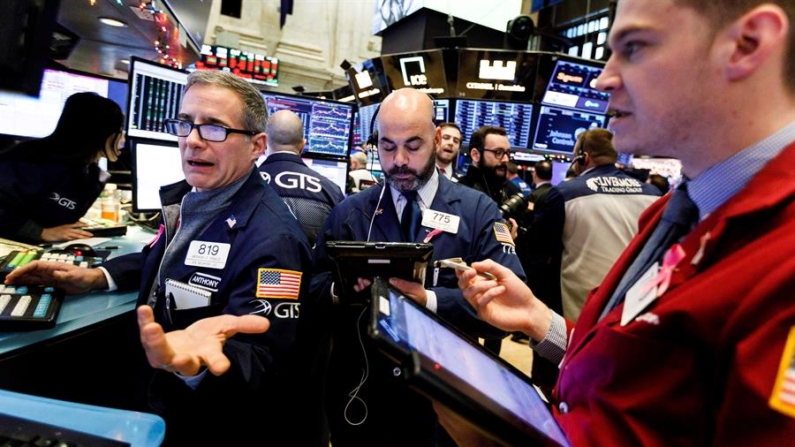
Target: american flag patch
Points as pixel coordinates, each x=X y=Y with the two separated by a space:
x=278 y=283
x=783 y=396
x=503 y=233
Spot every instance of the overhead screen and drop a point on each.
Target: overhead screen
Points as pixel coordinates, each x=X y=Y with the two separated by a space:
x=365 y=114
x=327 y=124
x=515 y=118
x=155 y=95
x=27 y=116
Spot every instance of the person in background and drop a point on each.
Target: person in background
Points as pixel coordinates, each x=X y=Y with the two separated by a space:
x=694 y=326
x=512 y=174
x=447 y=150
x=376 y=407
x=542 y=183
x=659 y=181
x=490 y=150
x=360 y=177
x=309 y=195
x=48 y=184
x=228 y=246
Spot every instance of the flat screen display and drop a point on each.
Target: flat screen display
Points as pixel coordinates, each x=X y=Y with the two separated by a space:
x=557 y=129
x=257 y=68
x=155 y=95
x=422 y=70
x=336 y=171
x=154 y=164
x=327 y=124
x=572 y=85
x=497 y=75
x=441 y=114
x=27 y=116
x=516 y=118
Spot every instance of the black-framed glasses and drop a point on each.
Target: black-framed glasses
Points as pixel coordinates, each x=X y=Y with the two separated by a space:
x=499 y=153
x=208 y=131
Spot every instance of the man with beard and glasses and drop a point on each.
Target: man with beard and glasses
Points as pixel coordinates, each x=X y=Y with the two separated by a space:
x=490 y=150
x=367 y=403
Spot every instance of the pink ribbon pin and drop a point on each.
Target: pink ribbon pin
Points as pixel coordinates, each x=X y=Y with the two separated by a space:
x=662 y=280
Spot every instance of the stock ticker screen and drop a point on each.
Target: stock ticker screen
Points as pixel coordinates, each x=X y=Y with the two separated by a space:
x=327 y=124
x=557 y=129
x=515 y=118
x=572 y=85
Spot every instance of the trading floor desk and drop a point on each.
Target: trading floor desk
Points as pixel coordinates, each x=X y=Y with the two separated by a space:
x=93 y=353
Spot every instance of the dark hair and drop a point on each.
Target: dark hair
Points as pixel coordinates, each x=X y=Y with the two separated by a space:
x=661 y=182
x=599 y=144
x=543 y=170
x=449 y=124
x=478 y=138
x=512 y=167
x=86 y=123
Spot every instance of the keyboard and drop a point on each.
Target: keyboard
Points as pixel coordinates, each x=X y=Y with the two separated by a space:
x=16 y=431
x=18 y=258
x=29 y=307
x=103 y=227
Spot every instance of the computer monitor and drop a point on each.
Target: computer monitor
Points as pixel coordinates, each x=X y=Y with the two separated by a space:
x=572 y=85
x=557 y=129
x=327 y=124
x=514 y=117
x=31 y=117
x=336 y=171
x=155 y=164
x=441 y=114
x=559 y=169
x=155 y=95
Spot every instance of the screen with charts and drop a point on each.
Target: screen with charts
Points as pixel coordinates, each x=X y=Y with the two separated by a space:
x=154 y=164
x=27 y=116
x=327 y=124
x=336 y=171
x=155 y=95
x=557 y=129
x=441 y=114
x=514 y=117
x=572 y=85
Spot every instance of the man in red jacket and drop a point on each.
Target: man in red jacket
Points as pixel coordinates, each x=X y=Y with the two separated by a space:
x=690 y=339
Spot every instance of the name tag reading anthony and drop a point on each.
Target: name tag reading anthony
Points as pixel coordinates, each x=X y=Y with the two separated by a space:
x=440 y=221
x=207 y=254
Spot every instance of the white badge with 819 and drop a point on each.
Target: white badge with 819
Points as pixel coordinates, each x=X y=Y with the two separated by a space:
x=207 y=254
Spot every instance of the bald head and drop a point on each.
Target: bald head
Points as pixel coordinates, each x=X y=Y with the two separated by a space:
x=285 y=132
x=406 y=104
x=407 y=138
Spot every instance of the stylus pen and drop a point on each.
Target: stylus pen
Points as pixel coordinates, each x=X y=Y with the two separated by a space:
x=459 y=264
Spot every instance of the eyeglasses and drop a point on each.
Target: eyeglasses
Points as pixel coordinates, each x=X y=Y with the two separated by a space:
x=499 y=153
x=209 y=132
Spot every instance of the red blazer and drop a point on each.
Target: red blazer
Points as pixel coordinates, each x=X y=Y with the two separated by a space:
x=699 y=368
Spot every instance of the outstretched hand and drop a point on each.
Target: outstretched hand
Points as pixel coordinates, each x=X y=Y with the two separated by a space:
x=506 y=302
x=200 y=344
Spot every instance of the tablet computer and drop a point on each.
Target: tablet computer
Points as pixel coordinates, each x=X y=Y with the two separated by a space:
x=358 y=259
x=451 y=368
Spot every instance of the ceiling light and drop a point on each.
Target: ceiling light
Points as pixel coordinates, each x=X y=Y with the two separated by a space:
x=112 y=22
x=125 y=61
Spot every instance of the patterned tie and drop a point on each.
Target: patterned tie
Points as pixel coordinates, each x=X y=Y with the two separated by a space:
x=677 y=220
x=411 y=217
